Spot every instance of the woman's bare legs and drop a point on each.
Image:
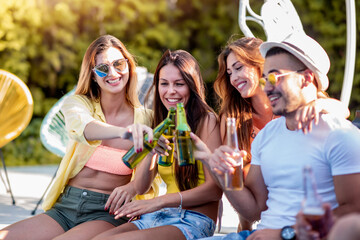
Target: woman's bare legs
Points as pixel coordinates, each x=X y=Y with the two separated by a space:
x=347 y=227
x=129 y=231
x=127 y=227
x=43 y=227
x=39 y=227
x=244 y=224
x=86 y=230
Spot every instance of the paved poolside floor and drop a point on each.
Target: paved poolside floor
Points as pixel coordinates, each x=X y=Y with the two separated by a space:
x=29 y=183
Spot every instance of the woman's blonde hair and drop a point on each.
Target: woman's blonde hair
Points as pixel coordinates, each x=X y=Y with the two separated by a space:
x=86 y=84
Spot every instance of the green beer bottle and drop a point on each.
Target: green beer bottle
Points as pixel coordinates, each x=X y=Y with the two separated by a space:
x=169 y=134
x=132 y=158
x=184 y=147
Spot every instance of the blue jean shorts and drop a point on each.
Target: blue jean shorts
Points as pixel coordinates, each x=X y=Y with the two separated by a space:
x=76 y=206
x=192 y=224
x=232 y=236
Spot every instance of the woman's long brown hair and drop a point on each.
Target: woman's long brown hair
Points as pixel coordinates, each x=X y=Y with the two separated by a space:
x=232 y=104
x=187 y=177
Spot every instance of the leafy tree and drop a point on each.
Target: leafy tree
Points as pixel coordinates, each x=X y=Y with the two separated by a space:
x=43 y=42
x=326 y=22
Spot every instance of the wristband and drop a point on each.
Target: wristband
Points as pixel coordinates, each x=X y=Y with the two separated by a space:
x=181 y=200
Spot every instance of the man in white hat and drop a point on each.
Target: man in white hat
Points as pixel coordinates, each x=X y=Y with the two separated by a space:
x=295 y=72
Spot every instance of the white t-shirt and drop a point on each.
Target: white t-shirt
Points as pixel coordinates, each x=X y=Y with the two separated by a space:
x=331 y=148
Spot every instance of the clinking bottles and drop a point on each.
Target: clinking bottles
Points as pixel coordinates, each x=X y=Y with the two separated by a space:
x=169 y=134
x=184 y=147
x=234 y=180
x=131 y=158
x=312 y=203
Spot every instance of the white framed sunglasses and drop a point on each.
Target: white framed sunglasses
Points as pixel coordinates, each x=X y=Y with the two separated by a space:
x=102 y=70
x=273 y=78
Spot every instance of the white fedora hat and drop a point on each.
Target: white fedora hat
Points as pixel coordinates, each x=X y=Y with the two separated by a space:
x=308 y=51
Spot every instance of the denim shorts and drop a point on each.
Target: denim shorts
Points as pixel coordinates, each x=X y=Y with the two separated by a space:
x=76 y=206
x=232 y=236
x=192 y=224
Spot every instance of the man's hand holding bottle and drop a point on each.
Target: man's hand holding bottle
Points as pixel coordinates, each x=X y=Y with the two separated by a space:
x=219 y=162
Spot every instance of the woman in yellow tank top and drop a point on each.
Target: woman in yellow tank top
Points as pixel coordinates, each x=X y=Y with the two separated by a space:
x=189 y=208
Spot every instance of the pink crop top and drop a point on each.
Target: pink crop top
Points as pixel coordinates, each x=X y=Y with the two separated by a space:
x=107 y=159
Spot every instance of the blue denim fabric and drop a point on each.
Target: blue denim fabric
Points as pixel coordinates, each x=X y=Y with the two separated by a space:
x=192 y=224
x=231 y=236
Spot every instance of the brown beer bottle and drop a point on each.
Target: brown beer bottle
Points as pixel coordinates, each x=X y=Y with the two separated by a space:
x=312 y=203
x=132 y=158
x=169 y=134
x=234 y=180
x=184 y=147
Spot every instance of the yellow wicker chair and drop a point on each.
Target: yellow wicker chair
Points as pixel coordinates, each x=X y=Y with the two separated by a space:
x=16 y=109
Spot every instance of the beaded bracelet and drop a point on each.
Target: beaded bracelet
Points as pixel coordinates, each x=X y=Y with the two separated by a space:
x=181 y=200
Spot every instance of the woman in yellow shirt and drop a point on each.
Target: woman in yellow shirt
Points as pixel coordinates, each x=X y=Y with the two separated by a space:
x=92 y=181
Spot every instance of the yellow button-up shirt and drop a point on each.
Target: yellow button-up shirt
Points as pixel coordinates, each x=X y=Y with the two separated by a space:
x=79 y=111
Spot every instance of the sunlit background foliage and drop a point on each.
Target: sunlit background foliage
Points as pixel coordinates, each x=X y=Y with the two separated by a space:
x=43 y=42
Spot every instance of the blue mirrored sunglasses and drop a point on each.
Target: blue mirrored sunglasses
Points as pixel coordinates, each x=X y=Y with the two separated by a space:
x=102 y=70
